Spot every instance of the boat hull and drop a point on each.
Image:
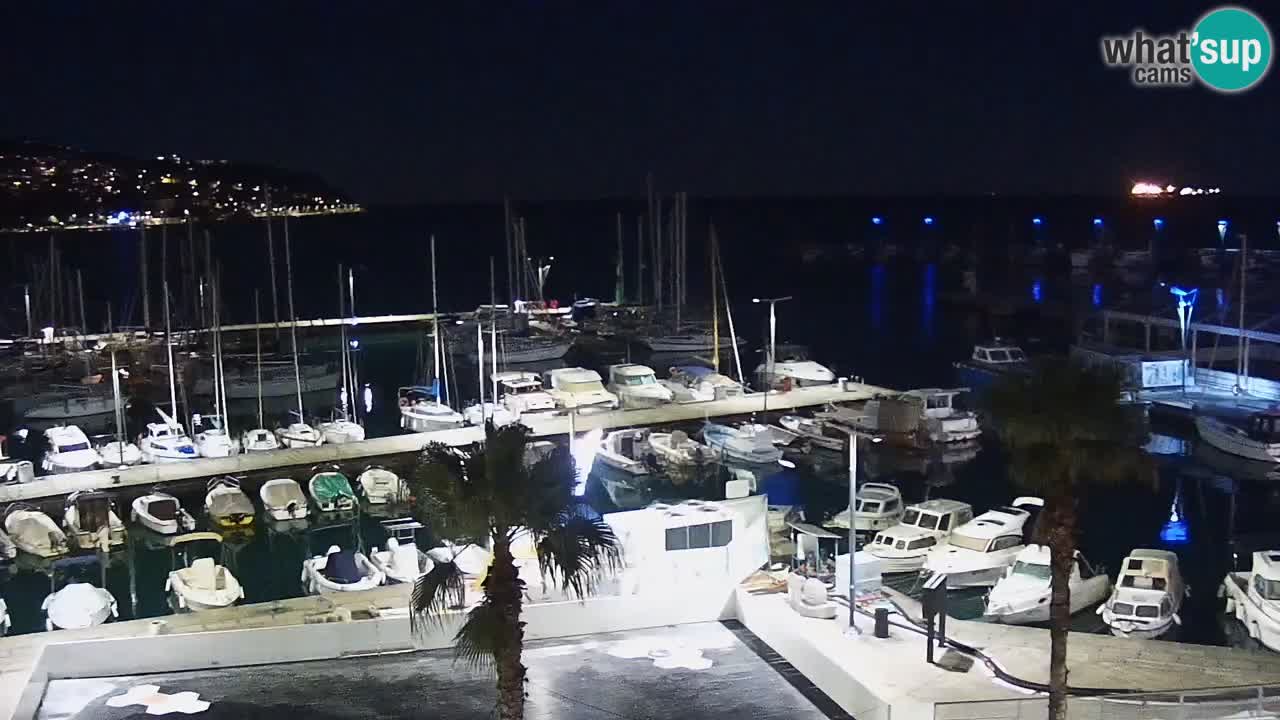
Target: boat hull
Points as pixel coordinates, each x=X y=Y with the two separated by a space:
x=1229 y=440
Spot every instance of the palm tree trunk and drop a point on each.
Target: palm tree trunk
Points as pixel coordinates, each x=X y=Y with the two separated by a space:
x=504 y=589
x=1062 y=550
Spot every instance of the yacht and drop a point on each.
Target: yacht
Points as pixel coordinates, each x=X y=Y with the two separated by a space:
x=212 y=439
x=577 y=389
x=422 y=411
x=1023 y=595
x=1253 y=598
x=879 y=507
x=33 y=532
x=677 y=449
x=793 y=371
x=941 y=419
x=687 y=342
x=117 y=453
x=1147 y=596
x=166 y=442
x=742 y=446
x=515 y=349
x=522 y=393
x=990 y=361
x=694 y=383
x=978 y=552
x=91 y=521
x=637 y=386
x=341 y=430
x=69 y=451
x=903 y=547
x=626 y=450
x=1258 y=440
x=73 y=405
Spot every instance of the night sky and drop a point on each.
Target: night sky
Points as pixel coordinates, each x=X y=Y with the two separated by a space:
x=466 y=101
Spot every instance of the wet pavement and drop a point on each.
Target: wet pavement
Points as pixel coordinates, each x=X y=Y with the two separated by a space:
x=706 y=670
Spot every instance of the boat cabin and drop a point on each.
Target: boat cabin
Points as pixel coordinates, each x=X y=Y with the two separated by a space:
x=67 y=439
x=998 y=529
x=631 y=375
x=938 y=516
x=935 y=402
x=1265 y=426
x=1151 y=570
x=879 y=506
x=1264 y=582
x=998 y=354
x=577 y=387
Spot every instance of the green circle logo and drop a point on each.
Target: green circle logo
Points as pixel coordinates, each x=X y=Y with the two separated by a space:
x=1231 y=49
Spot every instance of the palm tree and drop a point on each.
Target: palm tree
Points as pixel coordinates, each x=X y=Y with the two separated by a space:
x=1064 y=432
x=489 y=493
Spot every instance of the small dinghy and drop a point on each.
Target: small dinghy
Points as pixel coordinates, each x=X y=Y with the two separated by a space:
x=91 y=521
x=161 y=512
x=78 y=604
x=735 y=444
x=380 y=486
x=34 y=532
x=402 y=561
x=340 y=431
x=259 y=440
x=625 y=450
x=201 y=582
x=340 y=570
x=330 y=489
x=677 y=449
x=282 y=498
x=299 y=435
x=227 y=505
x=118 y=453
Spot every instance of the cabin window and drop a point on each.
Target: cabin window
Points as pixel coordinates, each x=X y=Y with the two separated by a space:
x=901 y=545
x=73 y=447
x=1017 y=355
x=922 y=543
x=869 y=506
x=1122 y=609
x=944 y=523
x=1166 y=607
x=704 y=535
x=1268 y=589
x=998 y=356
x=937 y=402
x=699 y=536
x=1148 y=611
x=912 y=517
x=1006 y=542
x=721 y=533
x=1034 y=570
x=969 y=543
x=678 y=538
x=892 y=505
x=638 y=380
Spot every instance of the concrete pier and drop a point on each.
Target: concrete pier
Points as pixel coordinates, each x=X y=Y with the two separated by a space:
x=53 y=486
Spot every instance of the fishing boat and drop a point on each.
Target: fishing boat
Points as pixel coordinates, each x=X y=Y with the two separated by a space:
x=330 y=489
x=978 y=552
x=299 y=435
x=1147 y=596
x=1023 y=595
x=735 y=444
x=227 y=505
x=626 y=450
x=1253 y=598
x=166 y=442
x=694 y=383
x=422 y=411
x=903 y=547
x=578 y=389
x=1258 y=440
x=401 y=561
x=522 y=393
x=879 y=508
x=212 y=439
x=812 y=431
x=91 y=521
x=77 y=605
x=939 y=417
x=259 y=440
x=34 y=532
x=677 y=449
x=283 y=499
x=200 y=582
x=990 y=361
x=161 y=513
x=380 y=486
x=340 y=570
x=637 y=386
x=69 y=451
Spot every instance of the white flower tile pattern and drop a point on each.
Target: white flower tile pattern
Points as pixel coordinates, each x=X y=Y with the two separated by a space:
x=158 y=703
x=667 y=653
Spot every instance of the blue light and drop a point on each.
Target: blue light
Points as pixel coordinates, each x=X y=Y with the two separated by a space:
x=1097 y=222
x=1158 y=222
x=1097 y=295
x=1222 y=224
x=1037 y=221
x=1037 y=292
x=928 y=219
x=877 y=220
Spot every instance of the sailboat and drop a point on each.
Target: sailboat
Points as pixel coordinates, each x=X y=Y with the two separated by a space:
x=258 y=439
x=299 y=433
x=213 y=435
x=492 y=410
x=167 y=441
x=118 y=452
x=420 y=406
x=342 y=428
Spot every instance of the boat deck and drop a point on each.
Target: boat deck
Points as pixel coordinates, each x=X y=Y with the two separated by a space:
x=148 y=475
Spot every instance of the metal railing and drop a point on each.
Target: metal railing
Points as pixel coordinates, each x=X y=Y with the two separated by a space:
x=1237 y=703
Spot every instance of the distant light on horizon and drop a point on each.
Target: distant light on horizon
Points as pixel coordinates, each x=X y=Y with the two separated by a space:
x=928 y=219
x=877 y=220
x=1037 y=220
x=1158 y=223
x=1147 y=189
x=1097 y=222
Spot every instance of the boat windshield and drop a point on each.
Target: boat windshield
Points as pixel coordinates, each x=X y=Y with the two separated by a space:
x=928 y=521
x=910 y=517
x=1147 y=611
x=1034 y=570
x=639 y=380
x=966 y=542
x=1017 y=355
x=1268 y=589
x=869 y=506
x=1121 y=608
x=524 y=389
x=587 y=386
x=73 y=447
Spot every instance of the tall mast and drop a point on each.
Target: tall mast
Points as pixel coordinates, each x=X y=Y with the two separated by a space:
x=342 y=343
x=293 y=315
x=1242 y=362
x=115 y=393
x=715 y=303
x=728 y=313
x=351 y=360
x=619 y=281
x=257 y=342
x=493 y=336
x=217 y=360
x=168 y=341
x=506 y=228
x=146 y=291
x=640 y=260
x=271 y=267
x=480 y=363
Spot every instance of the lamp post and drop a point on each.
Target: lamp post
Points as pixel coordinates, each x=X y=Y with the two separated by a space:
x=1186 y=304
x=773 y=341
x=853 y=520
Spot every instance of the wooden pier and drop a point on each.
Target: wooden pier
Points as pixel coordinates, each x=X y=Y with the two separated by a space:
x=53 y=486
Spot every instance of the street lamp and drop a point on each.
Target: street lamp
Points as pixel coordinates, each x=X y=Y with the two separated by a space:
x=853 y=519
x=773 y=339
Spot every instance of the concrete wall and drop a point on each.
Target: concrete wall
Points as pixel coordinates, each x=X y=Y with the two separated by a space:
x=1226 y=381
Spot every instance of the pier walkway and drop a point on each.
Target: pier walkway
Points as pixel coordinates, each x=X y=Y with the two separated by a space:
x=52 y=486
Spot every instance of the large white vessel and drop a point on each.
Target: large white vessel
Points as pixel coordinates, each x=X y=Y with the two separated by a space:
x=904 y=547
x=978 y=552
x=1258 y=440
x=422 y=411
x=694 y=383
x=637 y=386
x=69 y=451
x=578 y=388
x=1023 y=594
x=1253 y=598
x=1147 y=595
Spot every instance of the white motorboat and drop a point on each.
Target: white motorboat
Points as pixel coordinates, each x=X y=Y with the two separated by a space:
x=990 y=361
x=212 y=439
x=201 y=581
x=1023 y=596
x=578 y=388
x=14 y=471
x=794 y=372
x=299 y=435
x=380 y=486
x=735 y=444
x=259 y=440
x=677 y=449
x=903 y=547
x=34 y=532
x=422 y=411
x=812 y=431
x=73 y=405
x=340 y=570
x=161 y=512
x=166 y=442
x=941 y=419
x=341 y=430
x=91 y=521
x=5 y=623
x=879 y=507
x=977 y=552
x=283 y=499
x=119 y=453
x=522 y=393
x=77 y=605
x=1253 y=597
x=496 y=413
x=1258 y=440
x=401 y=562
x=69 y=451
x=227 y=505
x=686 y=342
x=1147 y=596
x=694 y=383
x=626 y=450
x=330 y=489
x=637 y=386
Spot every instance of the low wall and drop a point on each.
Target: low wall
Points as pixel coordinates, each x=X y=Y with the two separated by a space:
x=1226 y=381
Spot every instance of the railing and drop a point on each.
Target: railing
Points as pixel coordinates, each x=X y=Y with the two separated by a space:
x=1238 y=703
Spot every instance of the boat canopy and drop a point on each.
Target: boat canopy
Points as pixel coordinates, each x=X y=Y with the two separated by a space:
x=331 y=486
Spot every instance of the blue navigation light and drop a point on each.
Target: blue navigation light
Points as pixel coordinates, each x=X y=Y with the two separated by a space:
x=1097 y=295
x=1222 y=224
x=1037 y=220
x=1097 y=222
x=1158 y=222
x=928 y=219
x=1036 y=291
x=877 y=220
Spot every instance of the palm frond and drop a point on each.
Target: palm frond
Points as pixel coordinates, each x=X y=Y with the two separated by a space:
x=434 y=594
x=577 y=551
x=481 y=638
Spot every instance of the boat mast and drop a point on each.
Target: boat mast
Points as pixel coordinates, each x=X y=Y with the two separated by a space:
x=257 y=342
x=351 y=360
x=715 y=304
x=619 y=282
x=1242 y=358
x=293 y=315
x=493 y=336
x=342 y=344
x=217 y=361
x=480 y=362
x=435 y=326
x=168 y=341
x=728 y=313
x=225 y=415
x=115 y=392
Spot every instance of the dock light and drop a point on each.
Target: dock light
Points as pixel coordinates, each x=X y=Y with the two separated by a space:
x=1037 y=221
x=1222 y=224
x=1158 y=223
x=355 y=344
x=1186 y=304
x=928 y=219
x=877 y=220
x=1097 y=222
